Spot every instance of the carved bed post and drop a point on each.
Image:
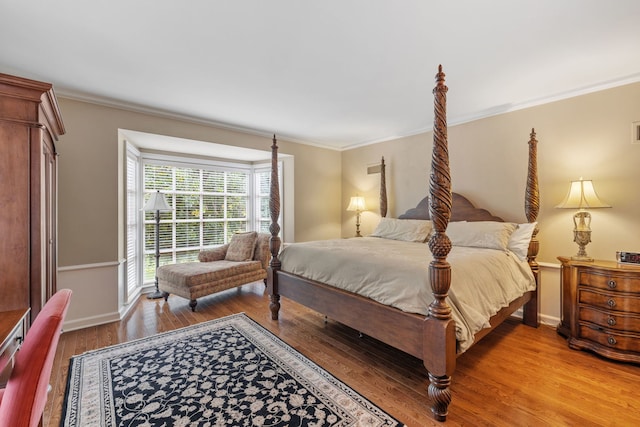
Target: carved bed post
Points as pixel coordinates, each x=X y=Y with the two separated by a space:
x=274 y=228
x=531 y=209
x=383 y=189
x=439 y=328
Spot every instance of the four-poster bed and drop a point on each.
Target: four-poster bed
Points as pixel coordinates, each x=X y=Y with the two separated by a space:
x=432 y=335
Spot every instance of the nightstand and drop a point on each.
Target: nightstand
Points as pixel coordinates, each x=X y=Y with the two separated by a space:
x=601 y=308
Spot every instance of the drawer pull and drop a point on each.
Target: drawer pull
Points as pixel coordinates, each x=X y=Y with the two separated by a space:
x=611 y=340
x=611 y=321
x=611 y=303
x=612 y=284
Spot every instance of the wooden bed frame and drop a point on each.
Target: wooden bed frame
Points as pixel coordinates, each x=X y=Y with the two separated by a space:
x=430 y=338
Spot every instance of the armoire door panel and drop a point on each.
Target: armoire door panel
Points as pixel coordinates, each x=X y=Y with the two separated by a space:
x=14 y=215
x=30 y=123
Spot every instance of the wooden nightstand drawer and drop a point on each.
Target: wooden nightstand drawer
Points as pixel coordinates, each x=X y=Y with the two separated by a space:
x=610 y=282
x=601 y=308
x=610 y=319
x=615 y=340
x=609 y=300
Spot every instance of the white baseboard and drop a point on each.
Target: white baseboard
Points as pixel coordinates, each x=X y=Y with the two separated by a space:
x=96 y=299
x=549 y=320
x=95 y=294
x=543 y=318
x=86 y=322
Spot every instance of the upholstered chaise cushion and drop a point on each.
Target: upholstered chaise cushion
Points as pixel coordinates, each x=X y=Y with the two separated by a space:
x=214 y=272
x=242 y=246
x=193 y=287
x=196 y=273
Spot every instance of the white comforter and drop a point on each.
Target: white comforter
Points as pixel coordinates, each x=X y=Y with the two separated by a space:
x=396 y=273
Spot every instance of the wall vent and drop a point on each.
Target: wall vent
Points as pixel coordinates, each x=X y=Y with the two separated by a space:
x=635 y=132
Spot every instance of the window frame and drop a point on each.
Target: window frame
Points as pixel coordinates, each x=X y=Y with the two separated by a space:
x=252 y=200
x=133 y=219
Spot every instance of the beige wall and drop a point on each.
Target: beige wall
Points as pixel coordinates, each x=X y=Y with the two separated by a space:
x=588 y=136
x=89 y=179
x=91 y=242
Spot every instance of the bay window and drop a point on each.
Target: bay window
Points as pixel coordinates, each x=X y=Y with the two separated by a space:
x=211 y=201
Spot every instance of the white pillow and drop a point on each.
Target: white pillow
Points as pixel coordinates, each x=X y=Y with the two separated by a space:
x=480 y=234
x=520 y=238
x=408 y=230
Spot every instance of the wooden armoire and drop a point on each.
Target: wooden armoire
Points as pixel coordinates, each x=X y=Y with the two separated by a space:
x=30 y=123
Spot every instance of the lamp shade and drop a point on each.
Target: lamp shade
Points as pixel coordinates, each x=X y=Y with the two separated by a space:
x=157 y=202
x=356 y=204
x=582 y=195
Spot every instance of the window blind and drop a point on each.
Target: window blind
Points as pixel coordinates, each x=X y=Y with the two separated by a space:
x=209 y=206
x=132 y=227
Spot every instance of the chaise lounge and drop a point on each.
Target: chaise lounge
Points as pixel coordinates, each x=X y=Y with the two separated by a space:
x=243 y=260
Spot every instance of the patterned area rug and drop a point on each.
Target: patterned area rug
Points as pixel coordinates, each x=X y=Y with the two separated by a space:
x=225 y=372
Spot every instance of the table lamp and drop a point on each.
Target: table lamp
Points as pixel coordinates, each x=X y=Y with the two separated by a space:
x=357 y=204
x=582 y=196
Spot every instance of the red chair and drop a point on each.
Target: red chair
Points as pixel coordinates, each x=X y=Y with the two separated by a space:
x=22 y=401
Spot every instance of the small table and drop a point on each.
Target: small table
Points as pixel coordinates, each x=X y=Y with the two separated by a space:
x=13 y=327
x=601 y=308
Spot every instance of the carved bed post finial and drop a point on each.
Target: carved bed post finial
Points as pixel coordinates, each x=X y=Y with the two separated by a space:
x=274 y=228
x=383 y=189
x=531 y=209
x=440 y=178
x=532 y=199
x=532 y=193
x=440 y=362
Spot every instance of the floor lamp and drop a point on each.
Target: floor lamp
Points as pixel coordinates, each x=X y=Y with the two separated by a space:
x=157 y=203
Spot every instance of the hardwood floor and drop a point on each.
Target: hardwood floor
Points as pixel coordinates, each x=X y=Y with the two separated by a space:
x=516 y=376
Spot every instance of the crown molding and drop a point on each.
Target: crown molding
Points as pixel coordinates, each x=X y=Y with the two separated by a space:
x=491 y=112
x=63 y=92
x=508 y=108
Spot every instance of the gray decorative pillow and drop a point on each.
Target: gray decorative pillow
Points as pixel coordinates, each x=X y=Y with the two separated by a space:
x=242 y=246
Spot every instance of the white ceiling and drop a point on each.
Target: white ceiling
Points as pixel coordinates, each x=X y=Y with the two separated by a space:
x=332 y=73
